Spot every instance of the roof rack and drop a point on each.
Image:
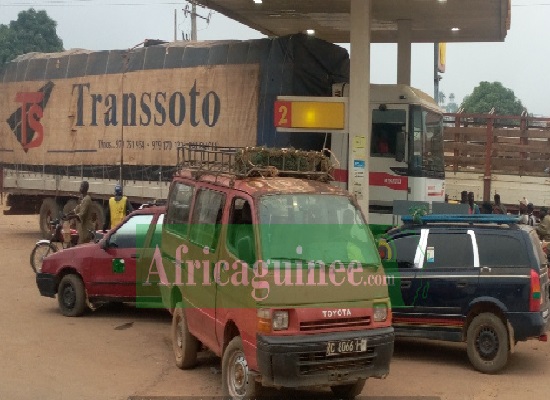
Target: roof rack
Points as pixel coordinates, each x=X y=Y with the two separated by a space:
x=461 y=218
x=242 y=162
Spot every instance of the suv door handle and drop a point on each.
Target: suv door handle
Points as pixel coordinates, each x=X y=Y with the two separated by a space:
x=461 y=284
x=485 y=269
x=405 y=284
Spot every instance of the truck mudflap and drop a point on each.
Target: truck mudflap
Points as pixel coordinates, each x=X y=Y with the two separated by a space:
x=298 y=361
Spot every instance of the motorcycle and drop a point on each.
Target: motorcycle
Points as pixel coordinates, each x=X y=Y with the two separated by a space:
x=63 y=236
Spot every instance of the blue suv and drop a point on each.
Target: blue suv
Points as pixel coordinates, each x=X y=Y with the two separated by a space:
x=481 y=279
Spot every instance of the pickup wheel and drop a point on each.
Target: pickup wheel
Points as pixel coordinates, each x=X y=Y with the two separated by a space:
x=488 y=346
x=237 y=381
x=71 y=296
x=349 y=391
x=184 y=344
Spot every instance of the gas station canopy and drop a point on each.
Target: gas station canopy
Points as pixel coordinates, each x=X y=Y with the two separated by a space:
x=431 y=20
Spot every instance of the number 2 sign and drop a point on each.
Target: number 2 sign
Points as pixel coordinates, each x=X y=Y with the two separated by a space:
x=283 y=114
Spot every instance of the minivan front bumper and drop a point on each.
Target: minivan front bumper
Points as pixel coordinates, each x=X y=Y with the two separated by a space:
x=298 y=361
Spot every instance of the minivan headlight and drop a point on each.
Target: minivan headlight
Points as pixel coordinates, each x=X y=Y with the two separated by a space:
x=280 y=320
x=380 y=312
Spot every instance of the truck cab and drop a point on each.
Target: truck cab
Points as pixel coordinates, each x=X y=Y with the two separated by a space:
x=275 y=271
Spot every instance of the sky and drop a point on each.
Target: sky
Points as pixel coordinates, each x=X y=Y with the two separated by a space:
x=520 y=63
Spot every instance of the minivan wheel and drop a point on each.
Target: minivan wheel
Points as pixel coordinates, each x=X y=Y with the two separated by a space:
x=237 y=381
x=488 y=346
x=349 y=391
x=184 y=344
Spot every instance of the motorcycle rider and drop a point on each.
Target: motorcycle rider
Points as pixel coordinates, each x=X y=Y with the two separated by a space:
x=83 y=214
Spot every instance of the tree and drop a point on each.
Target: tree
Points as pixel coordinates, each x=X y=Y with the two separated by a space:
x=33 y=31
x=452 y=107
x=441 y=99
x=489 y=95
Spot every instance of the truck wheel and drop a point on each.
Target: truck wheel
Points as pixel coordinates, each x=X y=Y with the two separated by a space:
x=237 y=381
x=487 y=340
x=349 y=391
x=98 y=215
x=49 y=210
x=71 y=296
x=184 y=344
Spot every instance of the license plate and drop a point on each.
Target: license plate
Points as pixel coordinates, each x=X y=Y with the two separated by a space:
x=346 y=346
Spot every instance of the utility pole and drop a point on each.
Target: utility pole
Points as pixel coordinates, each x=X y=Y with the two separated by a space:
x=192 y=12
x=436 y=73
x=193 y=21
x=175 y=25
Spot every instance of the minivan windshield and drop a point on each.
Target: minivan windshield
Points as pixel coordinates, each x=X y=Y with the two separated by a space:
x=314 y=227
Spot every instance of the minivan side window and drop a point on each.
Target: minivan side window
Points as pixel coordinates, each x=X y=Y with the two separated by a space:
x=495 y=250
x=179 y=208
x=207 y=217
x=449 y=250
x=240 y=228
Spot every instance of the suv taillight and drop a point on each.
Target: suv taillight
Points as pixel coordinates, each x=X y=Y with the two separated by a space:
x=535 y=298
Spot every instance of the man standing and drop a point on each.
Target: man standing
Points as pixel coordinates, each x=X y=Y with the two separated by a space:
x=119 y=207
x=531 y=219
x=474 y=208
x=83 y=213
x=543 y=228
x=498 y=207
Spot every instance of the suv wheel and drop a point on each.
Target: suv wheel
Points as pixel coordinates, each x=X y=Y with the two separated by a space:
x=488 y=345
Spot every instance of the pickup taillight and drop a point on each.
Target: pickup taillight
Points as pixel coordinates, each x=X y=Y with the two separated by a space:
x=535 y=298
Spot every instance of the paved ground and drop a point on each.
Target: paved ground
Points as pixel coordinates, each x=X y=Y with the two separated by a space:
x=115 y=353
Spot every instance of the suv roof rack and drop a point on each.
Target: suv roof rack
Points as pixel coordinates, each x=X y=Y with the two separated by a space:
x=243 y=162
x=460 y=218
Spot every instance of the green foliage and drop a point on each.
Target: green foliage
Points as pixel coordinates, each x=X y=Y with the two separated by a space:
x=417 y=212
x=33 y=31
x=489 y=95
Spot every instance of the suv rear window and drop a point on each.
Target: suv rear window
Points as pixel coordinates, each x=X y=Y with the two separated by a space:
x=495 y=250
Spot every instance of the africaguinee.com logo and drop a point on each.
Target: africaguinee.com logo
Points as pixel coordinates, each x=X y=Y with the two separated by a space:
x=25 y=121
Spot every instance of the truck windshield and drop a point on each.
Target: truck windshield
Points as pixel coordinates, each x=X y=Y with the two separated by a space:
x=426 y=144
x=314 y=227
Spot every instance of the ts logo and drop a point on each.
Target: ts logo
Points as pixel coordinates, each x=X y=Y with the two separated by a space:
x=25 y=122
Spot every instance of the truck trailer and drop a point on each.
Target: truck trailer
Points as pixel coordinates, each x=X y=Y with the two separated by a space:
x=118 y=116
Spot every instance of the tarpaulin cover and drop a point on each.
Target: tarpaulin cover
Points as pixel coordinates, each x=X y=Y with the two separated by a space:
x=89 y=111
